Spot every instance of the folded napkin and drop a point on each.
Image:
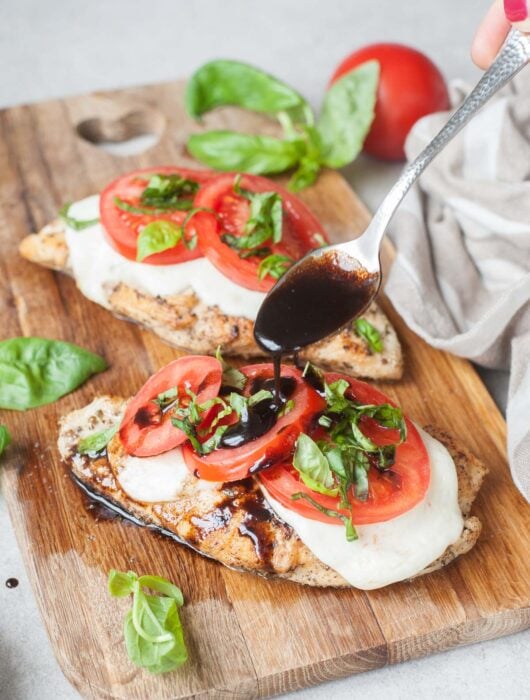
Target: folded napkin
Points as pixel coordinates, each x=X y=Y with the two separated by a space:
x=461 y=278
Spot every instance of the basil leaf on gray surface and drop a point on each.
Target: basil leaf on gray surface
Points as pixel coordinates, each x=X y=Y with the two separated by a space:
x=153 y=632
x=37 y=371
x=71 y=222
x=224 y=82
x=371 y=335
x=5 y=438
x=347 y=114
x=249 y=153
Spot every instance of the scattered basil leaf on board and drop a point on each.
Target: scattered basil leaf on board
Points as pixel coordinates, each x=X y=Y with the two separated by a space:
x=152 y=629
x=371 y=335
x=5 y=438
x=230 y=151
x=71 y=222
x=95 y=442
x=38 y=371
x=222 y=83
x=347 y=114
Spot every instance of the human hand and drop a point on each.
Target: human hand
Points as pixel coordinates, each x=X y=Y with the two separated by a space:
x=495 y=26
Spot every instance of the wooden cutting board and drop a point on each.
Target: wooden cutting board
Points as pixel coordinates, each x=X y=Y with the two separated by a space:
x=247 y=637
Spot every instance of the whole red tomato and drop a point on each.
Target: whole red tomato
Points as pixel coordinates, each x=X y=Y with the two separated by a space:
x=410 y=86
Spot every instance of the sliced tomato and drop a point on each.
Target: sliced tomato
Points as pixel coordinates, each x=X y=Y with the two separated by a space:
x=146 y=429
x=301 y=230
x=123 y=227
x=391 y=493
x=231 y=464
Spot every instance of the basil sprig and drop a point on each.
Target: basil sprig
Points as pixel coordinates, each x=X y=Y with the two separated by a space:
x=152 y=629
x=71 y=222
x=38 y=371
x=341 y=461
x=369 y=333
x=334 y=140
x=5 y=438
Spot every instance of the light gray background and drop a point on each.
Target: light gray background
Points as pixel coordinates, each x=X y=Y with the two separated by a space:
x=63 y=47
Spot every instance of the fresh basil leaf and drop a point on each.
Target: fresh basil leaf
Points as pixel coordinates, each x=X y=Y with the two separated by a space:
x=222 y=83
x=347 y=114
x=232 y=377
x=97 y=441
x=361 y=440
x=371 y=335
x=5 y=438
x=231 y=151
x=71 y=222
x=335 y=398
x=156 y=237
x=166 y=397
x=287 y=408
x=274 y=265
x=152 y=629
x=361 y=467
x=259 y=396
x=313 y=466
x=305 y=175
x=37 y=371
x=169 y=192
x=120 y=583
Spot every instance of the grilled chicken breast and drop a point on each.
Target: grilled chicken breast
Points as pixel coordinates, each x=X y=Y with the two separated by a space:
x=233 y=523
x=186 y=322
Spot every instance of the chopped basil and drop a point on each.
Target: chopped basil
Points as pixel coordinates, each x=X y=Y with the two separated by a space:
x=169 y=192
x=166 y=398
x=351 y=533
x=5 y=438
x=71 y=222
x=97 y=441
x=313 y=466
x=141 y=211
x=371 y=335
x=156 y=237
x=232 y=377
x=274 y=265
x=152 y=629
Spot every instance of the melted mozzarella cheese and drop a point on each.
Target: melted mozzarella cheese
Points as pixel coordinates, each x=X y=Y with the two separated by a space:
x=97 y=267
x=394 y=550
x=154 y=479
x=159 y=479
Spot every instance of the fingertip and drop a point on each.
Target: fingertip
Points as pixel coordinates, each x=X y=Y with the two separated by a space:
x=490 y=36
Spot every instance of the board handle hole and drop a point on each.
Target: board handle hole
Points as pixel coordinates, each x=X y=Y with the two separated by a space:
x=127 y=135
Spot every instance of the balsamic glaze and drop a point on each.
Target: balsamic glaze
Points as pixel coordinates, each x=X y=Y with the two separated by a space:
x=147 y=416
x=12 y=582
x=258 y=419
x=313 y=300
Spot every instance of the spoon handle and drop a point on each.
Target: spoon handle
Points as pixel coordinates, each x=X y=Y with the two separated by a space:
x=514 y=55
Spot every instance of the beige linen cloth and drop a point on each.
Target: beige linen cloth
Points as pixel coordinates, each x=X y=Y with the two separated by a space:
x=461 y=278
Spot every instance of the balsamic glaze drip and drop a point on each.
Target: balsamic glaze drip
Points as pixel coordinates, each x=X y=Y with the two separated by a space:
x=313 y=300
x=258 y=419
x=147 y=416
x=12 y=583
x=314 y=379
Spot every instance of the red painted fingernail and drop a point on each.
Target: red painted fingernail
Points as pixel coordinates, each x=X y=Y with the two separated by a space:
x=516 y=10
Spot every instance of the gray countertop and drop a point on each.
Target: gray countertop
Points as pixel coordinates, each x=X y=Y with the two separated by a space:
x=59 y=47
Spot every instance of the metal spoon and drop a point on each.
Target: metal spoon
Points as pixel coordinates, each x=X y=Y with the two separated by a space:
x=331 y=286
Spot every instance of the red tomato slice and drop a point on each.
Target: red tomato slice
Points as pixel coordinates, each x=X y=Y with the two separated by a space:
x=146 y=430
x=390 y=493
x=231 y=464
x=122 y=227
x=301 y=230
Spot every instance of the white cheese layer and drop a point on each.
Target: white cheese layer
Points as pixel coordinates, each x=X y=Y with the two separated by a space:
x=159 y=479
x=394 y=550
x=97 y=266
x=154 y=479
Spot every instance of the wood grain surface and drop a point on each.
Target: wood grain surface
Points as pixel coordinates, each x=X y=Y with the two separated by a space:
x=247 y=637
